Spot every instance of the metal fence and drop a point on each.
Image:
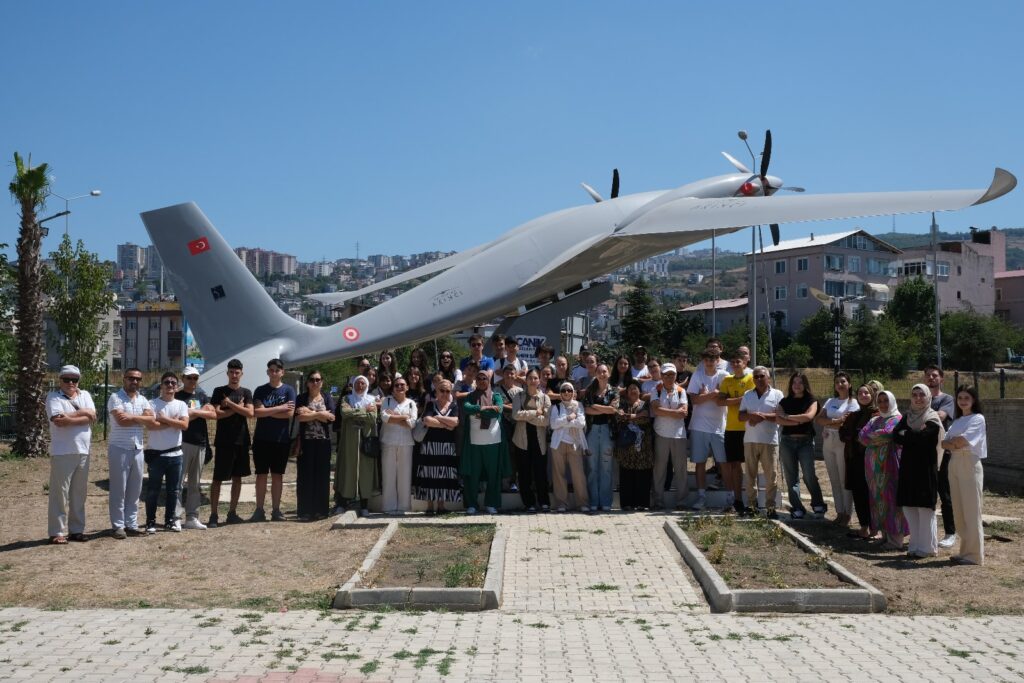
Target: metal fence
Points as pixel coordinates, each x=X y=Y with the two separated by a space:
x=991 y=385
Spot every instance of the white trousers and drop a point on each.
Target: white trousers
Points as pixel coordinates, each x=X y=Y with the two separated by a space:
x=126 y=466
x=835 y=464
x=69 y=486
x=966 y=480
x=924 y=536
x=396 y=472
x=664 y=450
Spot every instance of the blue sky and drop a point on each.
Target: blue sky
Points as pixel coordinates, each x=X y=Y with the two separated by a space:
x=407 y=126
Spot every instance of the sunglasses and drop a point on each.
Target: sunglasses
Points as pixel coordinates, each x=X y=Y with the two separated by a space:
x=316 y=379
x=565 y=391
x=133 y=379
x=170 y=382
x=69 y=380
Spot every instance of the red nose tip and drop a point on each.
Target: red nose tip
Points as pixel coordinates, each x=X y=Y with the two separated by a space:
x=748 y=189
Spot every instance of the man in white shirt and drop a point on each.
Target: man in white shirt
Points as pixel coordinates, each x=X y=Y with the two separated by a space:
x=164 y=454
x=761 y=439
x=707 y=421
x=579 y=371
x=668 y=408
x=130 y=413
x=71 y=413
x=511 y=358
x=639 y=366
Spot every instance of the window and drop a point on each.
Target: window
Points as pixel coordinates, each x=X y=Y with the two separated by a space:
x=877 y=266
x=801 y=264
x=854 y=289
x=780 y=267
x=781 y=319
x=833 y=262
x=999 y=293
x=801 y=291
x=909 y=268
x=958 y=295
x=131 y=324
x=780 y=293
x=129 y=342
x=834 y=288
x=154 y=323
x=959 y=271
x=853 y=264
x=943 y=268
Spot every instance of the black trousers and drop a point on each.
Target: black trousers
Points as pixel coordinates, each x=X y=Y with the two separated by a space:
x=313 y=477
x=857 y=484
x=945 y=498
x=635 y=488
x=532 y=472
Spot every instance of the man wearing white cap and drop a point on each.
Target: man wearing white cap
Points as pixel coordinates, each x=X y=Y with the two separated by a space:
x=71 y=413
x=194 y=445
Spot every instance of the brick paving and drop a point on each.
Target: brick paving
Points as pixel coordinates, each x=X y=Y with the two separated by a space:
x=552 y=627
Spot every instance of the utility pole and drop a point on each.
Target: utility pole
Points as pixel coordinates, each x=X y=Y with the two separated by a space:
x=935 y=285
x=752 y=296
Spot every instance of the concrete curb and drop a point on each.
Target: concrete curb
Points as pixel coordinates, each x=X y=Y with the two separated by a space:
x=344 y=519
x=462 y=599
x=865 y=598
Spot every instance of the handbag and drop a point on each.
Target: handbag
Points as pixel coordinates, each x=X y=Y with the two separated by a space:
x=419 y=431
x=370 y=446
x=624 y=436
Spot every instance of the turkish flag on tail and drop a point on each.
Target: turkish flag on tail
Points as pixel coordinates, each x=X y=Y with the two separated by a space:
x=198 y=246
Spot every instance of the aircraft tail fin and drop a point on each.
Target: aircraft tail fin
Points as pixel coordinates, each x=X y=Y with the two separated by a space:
x=226 y=307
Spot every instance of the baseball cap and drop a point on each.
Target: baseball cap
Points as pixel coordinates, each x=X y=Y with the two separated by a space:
x=668 y=367
x=189 y=371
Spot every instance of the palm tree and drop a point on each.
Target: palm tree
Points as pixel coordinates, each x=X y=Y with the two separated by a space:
x=29 y=188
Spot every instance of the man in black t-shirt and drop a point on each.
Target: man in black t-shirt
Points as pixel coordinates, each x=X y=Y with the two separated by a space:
x=274 y=406
x=233 y=404
x=194 y=445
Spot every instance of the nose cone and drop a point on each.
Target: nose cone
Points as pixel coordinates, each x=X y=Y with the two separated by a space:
x=775 y=183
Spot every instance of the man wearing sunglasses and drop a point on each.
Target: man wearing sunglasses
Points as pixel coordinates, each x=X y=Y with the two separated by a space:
x=195 y=444
x=71 y=413
x=130 y=412
x=164 y=453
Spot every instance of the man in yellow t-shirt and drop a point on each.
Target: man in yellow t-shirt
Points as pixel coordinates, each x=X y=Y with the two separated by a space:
x=730 y=393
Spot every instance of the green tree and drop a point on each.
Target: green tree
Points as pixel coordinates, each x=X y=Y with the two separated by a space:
x=795 y=356
x=878 y=345
x=644 y=321
x=912 y=308
x=29 y=188
x=79 y=298
x=816 y=333
x=971 y=341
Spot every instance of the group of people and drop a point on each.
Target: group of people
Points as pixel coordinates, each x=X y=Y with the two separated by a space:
x=437 y=436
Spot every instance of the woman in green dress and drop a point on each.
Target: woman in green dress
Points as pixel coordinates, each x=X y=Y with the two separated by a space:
x=357 y=476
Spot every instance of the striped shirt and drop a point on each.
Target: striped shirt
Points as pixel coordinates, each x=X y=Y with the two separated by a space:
x=132 y=436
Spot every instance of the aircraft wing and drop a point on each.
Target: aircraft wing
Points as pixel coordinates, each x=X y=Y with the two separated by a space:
x=705 y=214
x=687 y=220
x=429 y=269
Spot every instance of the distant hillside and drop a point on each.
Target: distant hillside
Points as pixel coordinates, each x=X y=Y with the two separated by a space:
x=1014 y=242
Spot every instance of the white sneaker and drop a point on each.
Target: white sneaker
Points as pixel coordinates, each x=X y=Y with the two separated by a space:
x=701 y=502
x=194 y=523
x=175 y=525
x=561 y=508
x=151 y=529
x=948 y=541
x=584 y=508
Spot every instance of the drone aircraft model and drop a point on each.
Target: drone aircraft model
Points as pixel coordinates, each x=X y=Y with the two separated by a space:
x=232 y=316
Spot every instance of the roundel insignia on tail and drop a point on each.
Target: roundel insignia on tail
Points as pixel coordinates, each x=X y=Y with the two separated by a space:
x=350 y=334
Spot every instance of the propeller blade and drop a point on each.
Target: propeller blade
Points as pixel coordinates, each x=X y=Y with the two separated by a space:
x=774 y=227
x=766 y=155
x=736 y=163
x=592 y=192
x=615 y=183
x=793 y=189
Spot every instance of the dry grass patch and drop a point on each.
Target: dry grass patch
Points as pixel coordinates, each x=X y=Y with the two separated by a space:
x=260 y=566
x=757 y=554
x=434 y=556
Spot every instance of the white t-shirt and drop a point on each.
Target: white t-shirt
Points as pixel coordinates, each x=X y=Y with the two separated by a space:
x=162 y=439
x=670 y=427
x=836 y=408
x=972 y=428
x=73 y=439
x=764 y=432
x=708 y=416
x=126 y=437
x=649 y=386
x=641 y=374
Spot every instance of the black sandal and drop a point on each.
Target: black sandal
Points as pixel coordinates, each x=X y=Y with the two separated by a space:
x=78 y=538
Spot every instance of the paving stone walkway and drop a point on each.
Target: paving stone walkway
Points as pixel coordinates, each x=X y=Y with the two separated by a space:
x=554 y=626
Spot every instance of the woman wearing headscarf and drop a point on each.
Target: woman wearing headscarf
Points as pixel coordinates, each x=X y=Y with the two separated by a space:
x=357 y=477
x=918 y=435
x=484 y=451
x=854 y=480
x=882 y=471
x=968 y=444
x=569 y=447
x=436 y=461
x=315 y=411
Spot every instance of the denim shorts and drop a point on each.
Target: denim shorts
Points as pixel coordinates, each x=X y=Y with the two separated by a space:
x=702 y=442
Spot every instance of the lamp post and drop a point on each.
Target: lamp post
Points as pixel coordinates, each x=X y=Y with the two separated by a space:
x=68 y=200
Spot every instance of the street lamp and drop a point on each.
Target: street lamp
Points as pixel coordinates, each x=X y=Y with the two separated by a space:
x=68 y=200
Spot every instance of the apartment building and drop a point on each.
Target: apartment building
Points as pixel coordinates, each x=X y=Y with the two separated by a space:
x=849 y=265
x=154 y=336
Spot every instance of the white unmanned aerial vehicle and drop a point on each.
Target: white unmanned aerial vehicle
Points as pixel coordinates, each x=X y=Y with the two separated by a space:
x=232 y=316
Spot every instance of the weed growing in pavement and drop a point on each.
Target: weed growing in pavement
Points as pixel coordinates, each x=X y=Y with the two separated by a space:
x=149 y=631
x=444 y=667
x=472 y=651
x=195 y=669
x=963 y=654
x=602 y=587
x=112 y=642
x=571 y=556
x=369 y=667
x=251 y=616
x=539 y=624
x=411 y=631
x=240 y=629
x=207 y=623
x=570 y=537
x=18 y=625
x=597 y=532
x=630 y=561
x=375 y=624
x=539 y=530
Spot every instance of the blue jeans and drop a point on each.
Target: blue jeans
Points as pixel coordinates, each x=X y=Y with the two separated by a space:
x=599 y=472
x=169 y=468
x=794 y=452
